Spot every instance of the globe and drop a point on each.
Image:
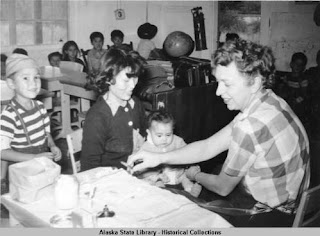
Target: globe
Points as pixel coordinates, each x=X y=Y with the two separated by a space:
x=178 y=44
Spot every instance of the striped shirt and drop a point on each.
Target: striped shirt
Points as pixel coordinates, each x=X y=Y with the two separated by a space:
x=36 y=121
x=270 y=149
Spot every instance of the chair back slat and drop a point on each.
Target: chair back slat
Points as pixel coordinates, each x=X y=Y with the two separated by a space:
x=308 y=213
x=74 y=142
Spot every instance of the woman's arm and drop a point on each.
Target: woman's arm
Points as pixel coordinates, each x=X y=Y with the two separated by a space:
x=193 y=153
x=201 y=150
x=221 y=184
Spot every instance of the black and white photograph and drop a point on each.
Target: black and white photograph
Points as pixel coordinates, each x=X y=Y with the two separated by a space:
x=153 y=117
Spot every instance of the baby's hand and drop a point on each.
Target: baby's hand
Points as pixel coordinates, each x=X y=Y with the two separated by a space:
x=164 y=178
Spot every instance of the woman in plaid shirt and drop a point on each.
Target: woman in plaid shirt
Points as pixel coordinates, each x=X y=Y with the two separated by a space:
x=268 y=148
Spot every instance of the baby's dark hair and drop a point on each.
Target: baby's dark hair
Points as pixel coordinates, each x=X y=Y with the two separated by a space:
x=161 y=117
x=300 y=56
x=117 y=33
x=54 y=54
x=251 y=60
x=113 y=62
x=20 y=51
x=96 y=35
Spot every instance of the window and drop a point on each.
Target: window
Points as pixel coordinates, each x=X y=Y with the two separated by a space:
x=33 y=22
x=241 y=17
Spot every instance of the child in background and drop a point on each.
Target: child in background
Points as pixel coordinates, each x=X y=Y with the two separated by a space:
x=20 y=51
x=54 y=59
x=95 y=54
x=70 y=52
x=25 y=125
x=232 y=37
x=117 y=37
x=313 y=75
x=146 y=47
x=296 y=88
x=161 y=139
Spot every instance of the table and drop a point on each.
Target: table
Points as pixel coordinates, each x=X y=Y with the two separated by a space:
x=69 y=83
x=135 y=203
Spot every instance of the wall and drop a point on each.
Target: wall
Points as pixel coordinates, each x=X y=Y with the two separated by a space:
x=285 y=35
x=86 y=16
x=288 y=27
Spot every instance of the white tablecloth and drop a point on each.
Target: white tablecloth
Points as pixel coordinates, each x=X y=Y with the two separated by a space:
x=135 y=203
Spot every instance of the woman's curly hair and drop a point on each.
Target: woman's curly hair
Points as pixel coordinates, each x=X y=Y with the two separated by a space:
x=250 y=58
x=113 y=62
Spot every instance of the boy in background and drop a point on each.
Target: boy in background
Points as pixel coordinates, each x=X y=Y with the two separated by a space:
x=296 y=88
x=95 y=54
x=54 y=59
x=161 y=139
x=117 y=37
x=313 y=75
x=24 y=124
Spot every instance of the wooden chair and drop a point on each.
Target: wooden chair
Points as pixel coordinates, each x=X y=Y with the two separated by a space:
x=74 y=142
x=84 y=54
x=308 y=213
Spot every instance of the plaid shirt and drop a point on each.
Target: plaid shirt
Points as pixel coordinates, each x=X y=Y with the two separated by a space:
x=270 y=149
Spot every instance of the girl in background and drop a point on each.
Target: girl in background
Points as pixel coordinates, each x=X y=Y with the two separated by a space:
x=70 y=52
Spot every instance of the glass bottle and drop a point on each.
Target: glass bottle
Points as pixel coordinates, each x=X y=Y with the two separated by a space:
x=66 y=192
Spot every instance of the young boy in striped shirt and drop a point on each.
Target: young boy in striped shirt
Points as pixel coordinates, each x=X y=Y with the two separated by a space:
x=25 y=125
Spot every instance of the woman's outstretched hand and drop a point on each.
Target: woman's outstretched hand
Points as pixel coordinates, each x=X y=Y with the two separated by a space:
x=143 y=160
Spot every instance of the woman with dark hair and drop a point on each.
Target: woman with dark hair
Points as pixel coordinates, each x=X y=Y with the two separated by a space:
x=117 y=119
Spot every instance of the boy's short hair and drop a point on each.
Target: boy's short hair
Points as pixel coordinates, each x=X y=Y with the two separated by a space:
x=20 y=51
x=96 y=35
x=299 y=56
x=161 y=117
x=54 y=54
x=117 y=33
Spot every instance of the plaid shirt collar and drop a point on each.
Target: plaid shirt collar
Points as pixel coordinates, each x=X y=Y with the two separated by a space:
x=259 y=98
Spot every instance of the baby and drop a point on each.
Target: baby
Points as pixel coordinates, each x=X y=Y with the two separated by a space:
x=161 y=139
